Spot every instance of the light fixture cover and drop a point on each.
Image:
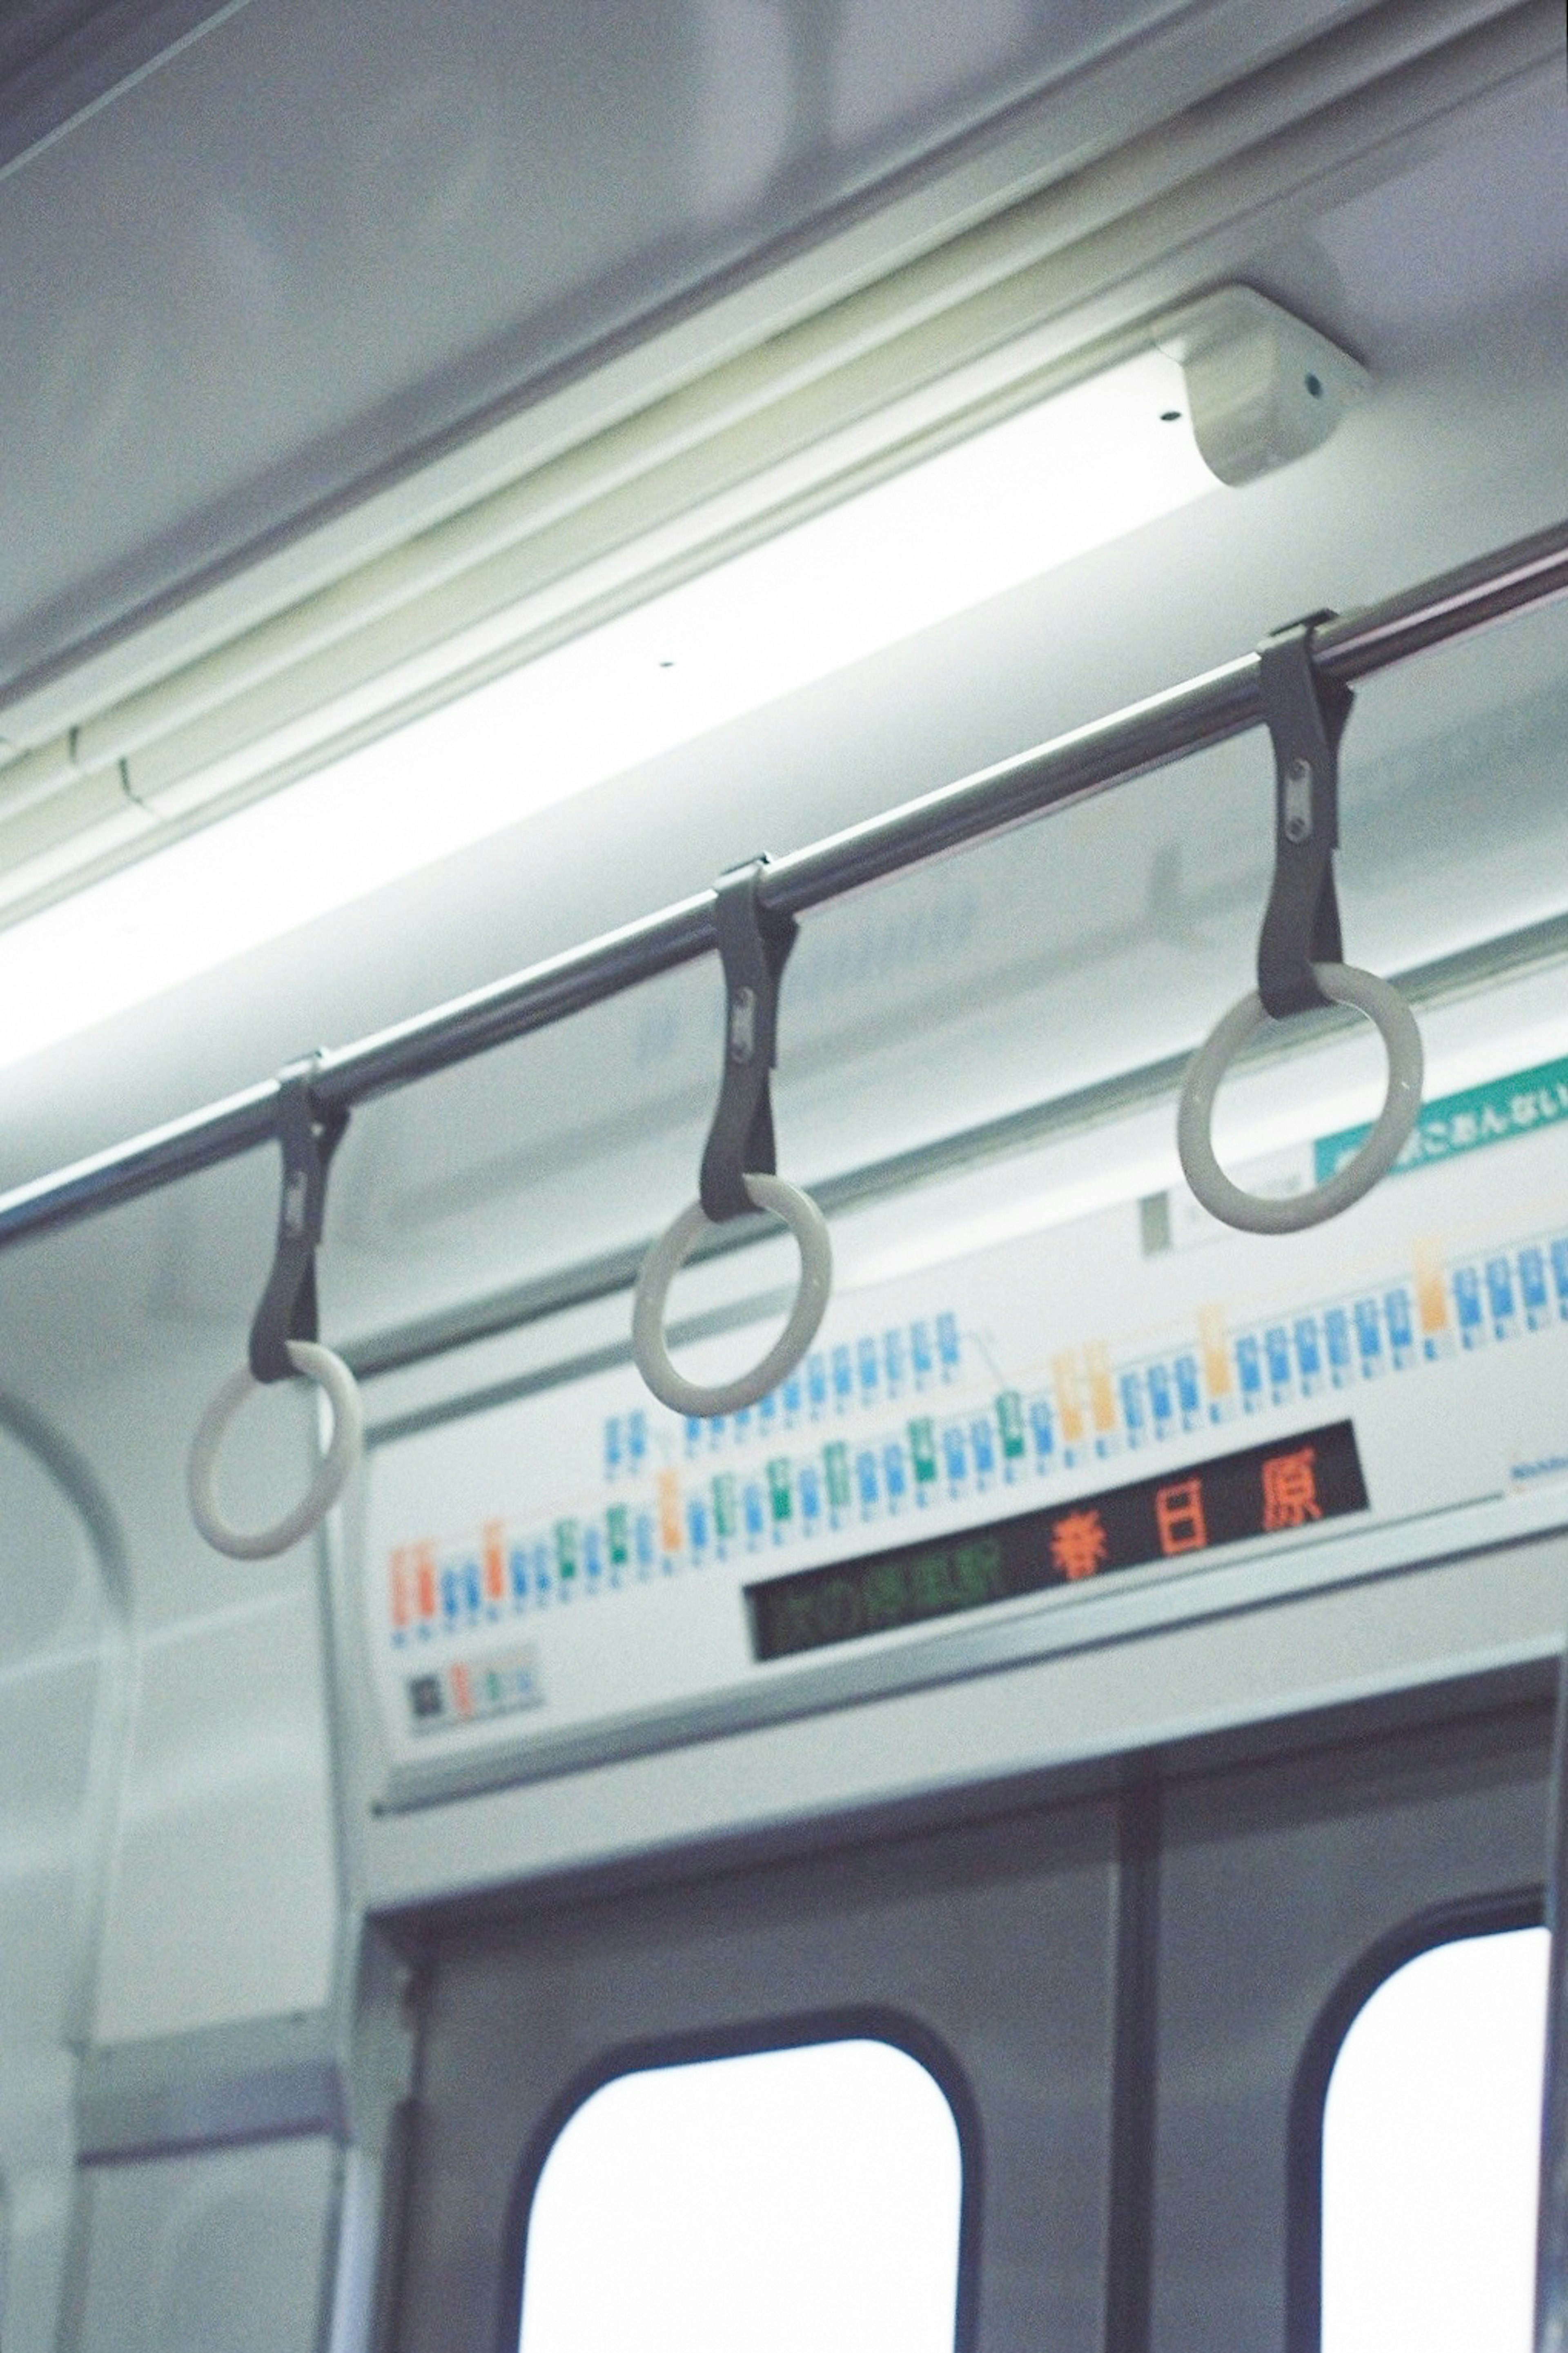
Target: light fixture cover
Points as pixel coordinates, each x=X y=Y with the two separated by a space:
x=1263 y=386
x=1218 y=392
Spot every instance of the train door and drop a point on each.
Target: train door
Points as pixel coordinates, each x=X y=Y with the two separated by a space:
x=1132 y=1997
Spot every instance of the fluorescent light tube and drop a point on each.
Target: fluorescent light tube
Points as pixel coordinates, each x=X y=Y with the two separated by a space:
x=1010 y=504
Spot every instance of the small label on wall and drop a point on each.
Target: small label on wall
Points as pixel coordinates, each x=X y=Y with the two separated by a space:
x=465 y=1691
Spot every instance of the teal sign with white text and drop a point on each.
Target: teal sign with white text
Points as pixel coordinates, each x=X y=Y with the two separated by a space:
x=1493 y=1113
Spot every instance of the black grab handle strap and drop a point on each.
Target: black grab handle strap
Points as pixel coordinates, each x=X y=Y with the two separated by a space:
x=307 y=1137
x=1305 y=714
x=753 y=948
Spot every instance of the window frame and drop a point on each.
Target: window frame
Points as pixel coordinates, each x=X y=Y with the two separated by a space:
x=753 y=2039
x=1446 y=1924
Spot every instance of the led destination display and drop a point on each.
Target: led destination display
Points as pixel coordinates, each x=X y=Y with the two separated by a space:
x=1315 y=1475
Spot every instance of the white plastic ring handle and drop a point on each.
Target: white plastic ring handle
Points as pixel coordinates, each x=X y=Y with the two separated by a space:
x=809 y=1226
x=331 y=1477
x=1346 y=985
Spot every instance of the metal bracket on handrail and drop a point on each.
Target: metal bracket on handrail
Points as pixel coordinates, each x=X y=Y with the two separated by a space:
x=283 y=1335
x=739 y=1164
x=753 y=949
x=307 y=1137
x=1299 y=954
x=1305 y=714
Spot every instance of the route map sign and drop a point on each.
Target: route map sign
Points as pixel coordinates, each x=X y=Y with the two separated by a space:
x=560 y=1569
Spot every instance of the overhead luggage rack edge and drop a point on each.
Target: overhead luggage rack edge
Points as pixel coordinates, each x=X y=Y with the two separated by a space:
x=1203 y=711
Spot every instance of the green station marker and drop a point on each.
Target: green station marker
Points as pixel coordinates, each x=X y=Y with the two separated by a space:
x=1010 y=1422
x=922 y=1450
x=566 y=1550
x=781 y=1489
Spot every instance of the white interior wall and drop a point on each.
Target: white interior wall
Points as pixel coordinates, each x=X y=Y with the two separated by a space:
x=62 y=1692
x=170 y=2237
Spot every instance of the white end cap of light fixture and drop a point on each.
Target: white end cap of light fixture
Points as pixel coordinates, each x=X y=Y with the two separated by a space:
x=1263 y=387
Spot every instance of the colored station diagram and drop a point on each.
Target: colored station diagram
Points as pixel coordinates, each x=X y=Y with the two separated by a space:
x=859 y=1440
x=1131 y=1393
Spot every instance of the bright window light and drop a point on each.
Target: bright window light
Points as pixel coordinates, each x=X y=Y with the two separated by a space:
x=1431 y=2147
x=785 y=2201
x=1008 y=505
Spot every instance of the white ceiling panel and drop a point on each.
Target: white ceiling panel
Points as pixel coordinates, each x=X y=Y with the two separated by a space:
x=260 y=270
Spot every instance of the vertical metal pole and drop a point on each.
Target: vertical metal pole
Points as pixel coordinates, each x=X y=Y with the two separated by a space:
x=1552 y=2235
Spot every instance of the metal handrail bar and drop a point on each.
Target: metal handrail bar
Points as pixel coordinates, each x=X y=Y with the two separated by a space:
x=1205 y=711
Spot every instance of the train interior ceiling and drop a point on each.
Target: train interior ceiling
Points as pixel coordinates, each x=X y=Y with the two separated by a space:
x=475 y=476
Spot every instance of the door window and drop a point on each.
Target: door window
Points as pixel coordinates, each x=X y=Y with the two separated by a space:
x=1431 y=2145
x=784 y=2199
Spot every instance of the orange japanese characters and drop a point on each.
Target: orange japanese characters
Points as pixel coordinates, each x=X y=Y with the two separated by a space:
x=1078 y=1544
x=1290 y=1490
x=1179 y=1515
